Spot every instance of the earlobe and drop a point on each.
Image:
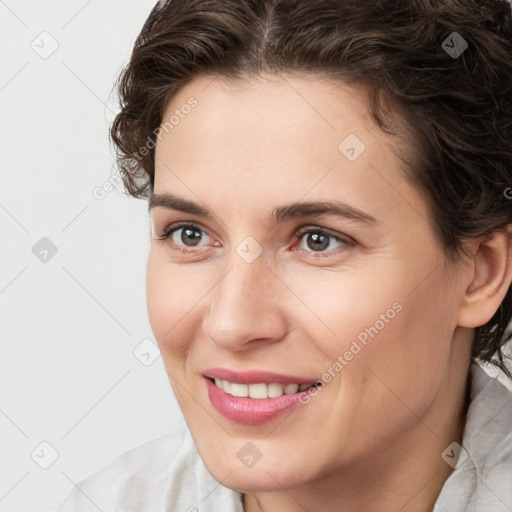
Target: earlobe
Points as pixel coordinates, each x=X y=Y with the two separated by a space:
x=489 y=276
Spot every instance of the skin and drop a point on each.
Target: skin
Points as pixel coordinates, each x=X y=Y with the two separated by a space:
x=372 y=439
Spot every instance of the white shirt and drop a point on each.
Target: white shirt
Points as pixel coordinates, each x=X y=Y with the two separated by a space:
x=168 y=475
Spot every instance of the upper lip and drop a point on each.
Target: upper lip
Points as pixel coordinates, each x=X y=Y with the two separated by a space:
x=255 y=377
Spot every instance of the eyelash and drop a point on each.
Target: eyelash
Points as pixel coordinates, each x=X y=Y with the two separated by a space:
x=170 y=229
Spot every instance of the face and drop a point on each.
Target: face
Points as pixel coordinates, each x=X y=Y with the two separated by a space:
x=258 y=277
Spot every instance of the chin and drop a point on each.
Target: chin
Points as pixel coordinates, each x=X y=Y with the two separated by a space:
x=263 y=476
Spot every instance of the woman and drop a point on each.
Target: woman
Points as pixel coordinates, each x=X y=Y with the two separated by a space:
x=330 y=265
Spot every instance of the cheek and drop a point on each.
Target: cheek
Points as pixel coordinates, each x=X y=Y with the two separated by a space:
x=347 y=307
x=171 y=301
x=402 y=365
x=388 y=334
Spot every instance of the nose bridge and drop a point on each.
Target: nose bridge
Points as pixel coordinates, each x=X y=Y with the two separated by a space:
x=243 y=291
x=244 y=304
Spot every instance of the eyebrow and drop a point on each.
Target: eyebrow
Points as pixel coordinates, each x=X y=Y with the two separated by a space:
x=287 y=211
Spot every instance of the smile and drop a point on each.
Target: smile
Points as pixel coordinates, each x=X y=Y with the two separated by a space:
x=256 y=403
x=261 y=390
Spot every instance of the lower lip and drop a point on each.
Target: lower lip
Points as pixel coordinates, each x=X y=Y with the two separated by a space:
x=251 y=411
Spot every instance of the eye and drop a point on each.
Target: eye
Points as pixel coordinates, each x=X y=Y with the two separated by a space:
x=183 y=235
x=321 y=241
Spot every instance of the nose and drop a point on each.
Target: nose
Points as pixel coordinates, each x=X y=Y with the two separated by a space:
x=245 y=306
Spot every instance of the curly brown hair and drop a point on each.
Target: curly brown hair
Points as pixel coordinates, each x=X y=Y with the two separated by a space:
x=445 y=65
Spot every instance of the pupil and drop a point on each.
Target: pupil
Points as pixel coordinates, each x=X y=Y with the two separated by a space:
x=190 y=235
x=323 y=243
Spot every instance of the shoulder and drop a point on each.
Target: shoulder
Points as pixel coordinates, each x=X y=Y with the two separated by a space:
x=482 y=475
x=163 y=474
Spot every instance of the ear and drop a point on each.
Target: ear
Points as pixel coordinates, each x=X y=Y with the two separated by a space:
x=488 y=278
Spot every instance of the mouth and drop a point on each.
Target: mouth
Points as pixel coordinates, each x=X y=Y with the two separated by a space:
x=253 y=398
x=260 y=390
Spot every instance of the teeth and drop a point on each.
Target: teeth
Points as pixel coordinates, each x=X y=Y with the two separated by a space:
x=291 y=388
x=238 y=389
x=226 y=386
x=259 y=391
x=274 y=390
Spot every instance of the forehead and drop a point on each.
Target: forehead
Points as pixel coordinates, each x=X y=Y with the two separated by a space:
x=290 y=117
x=296 y=135
x=264 y=104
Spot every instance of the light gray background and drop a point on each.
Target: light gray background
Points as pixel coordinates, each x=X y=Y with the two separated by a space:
x=79 y=370
x=70 y=324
